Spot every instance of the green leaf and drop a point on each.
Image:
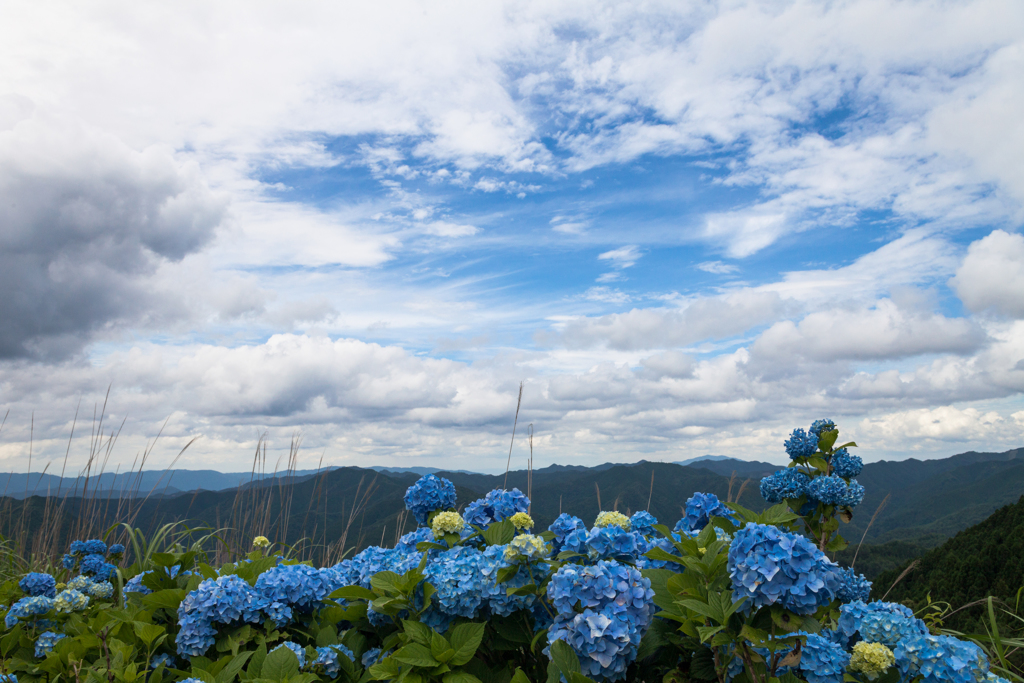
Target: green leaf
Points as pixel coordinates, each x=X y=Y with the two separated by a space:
x=564 y=657
x=328 y=635
x=703 y=609
x=280 y=665
x=386 y=669
x=507 y=573
x=418 y=632
x=499 y=533
x=415 y=654
x=424 y=546
x=576 y=677
x=660 y=554
x=836 y=544
x=169 y=599
x=147 y=633
x=438 y=647
x=228 y=673
x=386 y=582
x=519 y=677
x=707 y=632
x=465 y=638
x=460 y=677
x=352 y=593
x=255 y=667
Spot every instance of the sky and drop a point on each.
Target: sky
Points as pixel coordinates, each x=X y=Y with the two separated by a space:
x=684 y=227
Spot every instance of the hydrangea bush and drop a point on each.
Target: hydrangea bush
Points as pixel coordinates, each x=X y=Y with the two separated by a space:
x=483 y=595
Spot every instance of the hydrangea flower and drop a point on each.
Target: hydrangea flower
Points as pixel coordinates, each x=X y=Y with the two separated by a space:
x=456 y=576
x=940 y=659
x=564 y=525
x=771 y=567
x=261 y=542
x=77 y=547
x=429 y=494
x=800 y=444
x=846 y=465
x=95 y=547
x=820 y=426
x=833 y=490
x=8 y=678
x=606 y=519
x=376 y=559
x=407 y=543
x=297 y=586
x=300 y=652
x=603 y=612
x=787 y=483
x=116 y=549
x=643 y=522
x=372 y=656
x=34 y=606
x=852 y=586
x=71 y=600
x=528 y=547
x=97 y=566
x=100 y=589
x=327 y=659
x=68 y=561
x=614 y=542
x=45 y=643
x=822 y=661
x=496 y=594
x=447 y=523
x=871 y=659
x=37 y=583
x=496 y=506
x=224 y=600
x=521 y=520
x=887 y=623
x=700 y=508
x=668 y=547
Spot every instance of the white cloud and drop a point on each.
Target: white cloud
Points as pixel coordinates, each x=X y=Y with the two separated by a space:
x=448 y=229
x=623 y=257
x=717 y=267
x=992 y=275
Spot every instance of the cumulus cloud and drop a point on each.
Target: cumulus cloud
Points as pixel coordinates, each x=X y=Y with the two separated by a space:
x=992 y=275
x=86 y=222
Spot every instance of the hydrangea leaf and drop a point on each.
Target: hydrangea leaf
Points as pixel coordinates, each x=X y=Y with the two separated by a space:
x=519 y=677
x=564 y=657
x=827 y=439
x=228 y=673
x=385 y=582
x=499 y=533
x=327 y=635
x=415 y=654
x=465 y=638
x=707 y=632
x=147 y=633
x=280 y=665
x=169 y=598
x=460 y=677
x=418 y=632
x=352 y=593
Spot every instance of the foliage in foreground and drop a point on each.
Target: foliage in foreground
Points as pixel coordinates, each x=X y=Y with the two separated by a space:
x=726 y=595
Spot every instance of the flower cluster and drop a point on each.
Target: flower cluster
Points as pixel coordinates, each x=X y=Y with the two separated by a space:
x=447 y=523
x=611 y=542
x=163 y=658
x=787 y=483
x=700 y=508
x=852 y=586
x=291 y=587
x=940 y=659
x=887 y=623
x=771 y=567
x=498 y=600
x=261 y=542
x=871 y=659
x=45 y=643
x=496 y=506
x=643 y=522
x=606 y=519
x=327 y=662
x=564 y=525
x=358 y=570
x=429 y=494
x=603 y=612
x=521 y=521
x=37 y=583
x=456 y=576
x=834 y=490
x=846 y=465
x=26 y=608
x=822 y=661
x=298 y=650
x=801 y=444
x=71 y=600
x=526 y=547
x=224 y=600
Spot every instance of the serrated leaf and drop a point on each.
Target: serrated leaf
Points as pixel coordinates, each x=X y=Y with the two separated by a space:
x=328 y=635
x=465 y=639
x=280 y=665
x=499 y=533
x=707 y=632
x=507 y=573
x=702 y=608
x=565 y=658
x=438 y=646
x=418 y=632
x=147 y=633
x=231 y=669
x=386 y=582
x=255 y=667
x=169 y=599
x=352 y=593
x=415 y=654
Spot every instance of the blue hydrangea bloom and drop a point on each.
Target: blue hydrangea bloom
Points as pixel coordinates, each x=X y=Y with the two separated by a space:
x=880 y=622
x=429 y=494
x=300 y=652
x=38 y=583
x=496 y=594
x=833 y=490
x=614 y=542
x=771 y=567
x=846 y=465
x=459 y=582
x=327 y=659
x=800 y=444
x=603 y=612
x=372 y=656
x=95 y=547
x=643 y=522
x=376 y=559
x=100 y=589
x=163 y=658
x=700 y=508
x=298 y=586
x=407 y=543
x=224 y=600
x=8 y=678
x=787 y=483
x=33 y=606
x=564 y=525
x=852 y=586
x=940 y=659
x=822 y=660
x=97 y=566
x=116 y=549
x=77 y=547
x=819 y=426
x=576 y=541
x=668 y=547
x=45 y=643
x=496 y=506
x=68 y=561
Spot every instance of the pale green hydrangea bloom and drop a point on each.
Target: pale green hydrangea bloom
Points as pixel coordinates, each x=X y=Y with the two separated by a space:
x=521 y=520
x=871 y=659
x=612 y=519
x=447 y=523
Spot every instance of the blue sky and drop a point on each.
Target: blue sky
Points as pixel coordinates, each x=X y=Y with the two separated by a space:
x=686 y=229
